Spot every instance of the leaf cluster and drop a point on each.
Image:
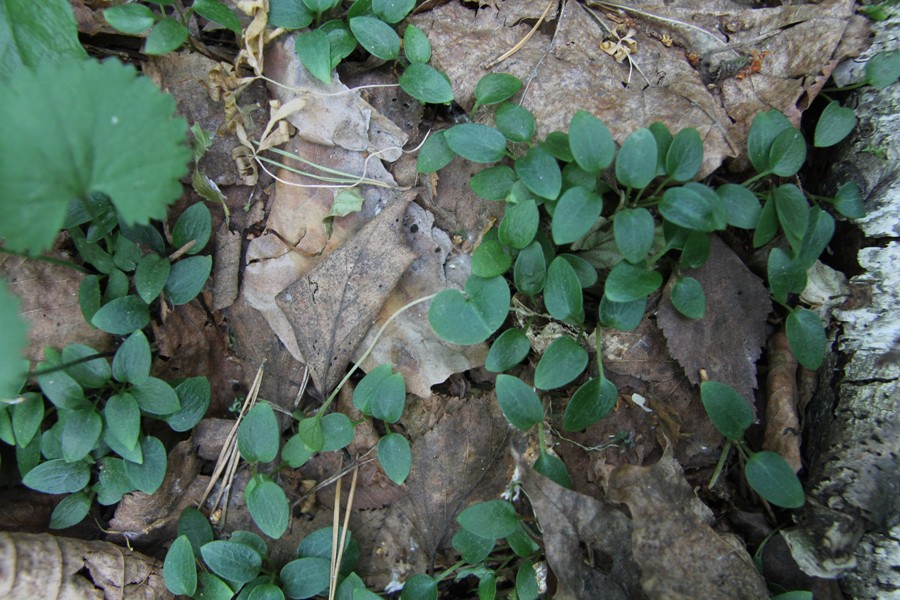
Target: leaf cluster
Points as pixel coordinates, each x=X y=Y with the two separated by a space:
x=169 y=25
x=333 y=35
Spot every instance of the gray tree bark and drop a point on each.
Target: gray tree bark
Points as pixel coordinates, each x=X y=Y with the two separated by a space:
x=850 y=527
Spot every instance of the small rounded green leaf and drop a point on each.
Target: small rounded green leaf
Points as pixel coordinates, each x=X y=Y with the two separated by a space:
x=848 y=201
x=554 y=469
x=259 y=435
x=392 y=11
x=311 y=432
x=494 y=88
x=787 y=153
x=122 y=316
x=151 y=276
x=688 y=298
x=232 y=561
x=766 y=126
x=727 y=409
x=296 y=452
x=835 y=123
x=562 y=361
x=476 y=142
x=179 y=570
x=557 y=145
x=590 y=403
x=426 y=84
x=636 y=163
x=526 y=582
x=515 y=122
x=586 y=272
x=807 y=337
x=62 y=390
x=792 y=209
x=90 y=374
x=123 y=418
x=472 y=317
x=376 y=36
x=530 y=269
x=81 y=432
x=562 y=292
x=818 y=234
x=318 y=545
x=473 y=548
x=195 y=526
x=623 y=316
x=575 y=215
x=289 y=14
x=395 y=457
x=381 y=394
x=314 y=51
x=71 y=511
x=686 y=208
x=519 y=224
x=627 y=282
x=167 y=35
x=213 y=587
x=187 y=278
x=434 y=154
x=89 y=298
x=509 y=349
x=767 y=226
x=266 y=591
x=883 y=69
x=217 y=12
x=685 y=155
x=493 y=183
x=634 y=229
x=129 y=18
x=772 y=478
x=338 y=431
x=156 y=397
x=741 y=205
x=194 y=394
x=490 y=259
x=58 y=477
x=519 y=403
x=796 y=595
x=149 y=475
x=419 y=587
x=269 y=508
x=27 y=416
x=663 y=140
x=416 y=45
x=592 y=145
x=491 y=519
x=540 y=173
x=305 y=577
x=131 y=364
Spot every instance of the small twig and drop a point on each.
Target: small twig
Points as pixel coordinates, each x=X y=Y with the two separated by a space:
x=523 y=41
x=326 y=482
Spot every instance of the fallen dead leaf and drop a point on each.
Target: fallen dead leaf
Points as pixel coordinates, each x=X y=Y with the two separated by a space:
x=728 y=339
x=782 y=433
x=49 y=302
x=332 y=307
x=227 y=267
x=46 y=566
x=587 y=541
x=679 y=554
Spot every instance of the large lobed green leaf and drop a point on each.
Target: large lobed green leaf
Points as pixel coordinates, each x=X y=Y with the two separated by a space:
x=35 y=32
x=79 y=128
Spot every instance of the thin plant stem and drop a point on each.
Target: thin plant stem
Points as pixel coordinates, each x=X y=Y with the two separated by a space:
x=71 y=363
x=720 y=465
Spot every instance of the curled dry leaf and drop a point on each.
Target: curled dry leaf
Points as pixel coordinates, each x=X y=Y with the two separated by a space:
x=227 y=267
x=679 y=554
x=46 y=566
x=782 y=433
x=728 y=339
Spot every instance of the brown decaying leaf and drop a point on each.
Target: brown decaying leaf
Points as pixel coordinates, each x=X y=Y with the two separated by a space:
x=679 y=554
x=227 y=267
x=587 y=541
x=571 y=72
x=332 y=307
x=48 y=295
x=728 y=339
x=144 y=518
x=45 y=566
x=782 y=433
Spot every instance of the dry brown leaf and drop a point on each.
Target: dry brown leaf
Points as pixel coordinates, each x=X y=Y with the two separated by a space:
x=49 y=302
x=587 y=541
x=571 y=72
x=782 y=433
x=227 y=267
x=680 y=555
x=728 y=339
x=45 y=566
x=332 y=307
x=145 y=518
